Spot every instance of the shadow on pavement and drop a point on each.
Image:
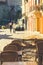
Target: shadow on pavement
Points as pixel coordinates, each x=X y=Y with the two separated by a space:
x=5 y=36
x=1 y=31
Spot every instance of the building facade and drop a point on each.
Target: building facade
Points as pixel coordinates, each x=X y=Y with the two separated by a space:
x=29 y=6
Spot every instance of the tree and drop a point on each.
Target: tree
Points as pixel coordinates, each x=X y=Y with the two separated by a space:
x=4 y=14
x=18 y=14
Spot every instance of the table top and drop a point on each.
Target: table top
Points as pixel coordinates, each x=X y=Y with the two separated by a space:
x=19 y=63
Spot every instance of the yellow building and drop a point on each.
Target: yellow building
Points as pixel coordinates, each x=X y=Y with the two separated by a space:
x=28 y=7
x=41 y=25
x=38 y=16
x=41 y=1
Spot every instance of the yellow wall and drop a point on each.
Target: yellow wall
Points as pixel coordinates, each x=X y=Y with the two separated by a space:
x=39 y=19
x=38 y=16
x=40 y=2
x=41 y=25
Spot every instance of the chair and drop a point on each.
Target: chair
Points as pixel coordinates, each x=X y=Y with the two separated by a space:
x=9 y=56
x=10 y=48
x=39 y=45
